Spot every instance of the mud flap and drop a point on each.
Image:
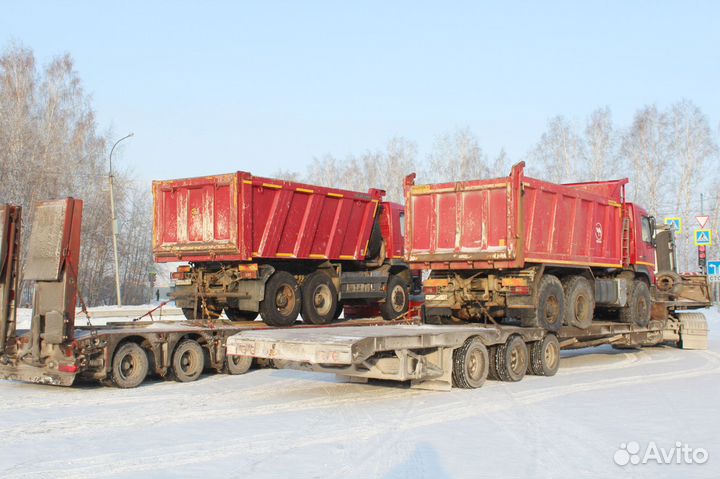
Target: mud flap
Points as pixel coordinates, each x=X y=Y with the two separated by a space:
x=693 y=331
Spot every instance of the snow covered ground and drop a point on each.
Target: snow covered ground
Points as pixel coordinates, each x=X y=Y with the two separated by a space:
x=282 y=423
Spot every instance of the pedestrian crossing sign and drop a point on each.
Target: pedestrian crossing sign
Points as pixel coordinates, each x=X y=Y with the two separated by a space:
x=703 y=237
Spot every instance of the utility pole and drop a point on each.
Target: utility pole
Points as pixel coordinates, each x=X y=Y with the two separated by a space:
x=114 y=223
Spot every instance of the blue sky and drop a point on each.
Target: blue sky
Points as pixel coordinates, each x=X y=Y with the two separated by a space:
x=221 y=86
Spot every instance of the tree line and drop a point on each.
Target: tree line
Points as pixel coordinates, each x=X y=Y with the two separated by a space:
x=670 y=156
x=50 y=147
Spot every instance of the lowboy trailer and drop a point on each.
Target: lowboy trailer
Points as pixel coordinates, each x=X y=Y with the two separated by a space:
x=55 y=351
x=440 y=357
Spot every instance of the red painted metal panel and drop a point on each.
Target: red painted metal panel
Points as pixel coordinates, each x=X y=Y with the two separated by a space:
x=511 y=221
x=238 y=217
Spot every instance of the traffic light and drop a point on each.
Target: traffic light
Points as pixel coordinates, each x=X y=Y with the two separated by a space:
x=702 y=258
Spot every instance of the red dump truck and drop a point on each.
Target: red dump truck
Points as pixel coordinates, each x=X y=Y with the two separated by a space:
x=273 y=247
x=546 y=254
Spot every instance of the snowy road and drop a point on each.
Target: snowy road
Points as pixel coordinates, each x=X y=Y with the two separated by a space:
x=278 y=423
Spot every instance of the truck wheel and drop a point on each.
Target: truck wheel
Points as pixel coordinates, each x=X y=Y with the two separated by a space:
x=235 y=314
x=511 y=360
x=238 y=364
x=544 y=356
x=129 y=366
x=637 y=311
x=579 y=302
x=396 y=298
x=470 y=364
x=549 y=306
x=281 y=304
x=319 y=298
x=188 y=361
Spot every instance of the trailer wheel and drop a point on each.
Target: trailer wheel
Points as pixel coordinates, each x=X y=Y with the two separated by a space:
x=235 y=314
x=397 y=296
x=510 y=360
x=549 y=306
x=238 y=364
x=188 y=361
x=319 y=298
x=470 y=364
x=281 y=304
x=129 y=366
x=579 y=302
x=637 y=311
x=544 y=356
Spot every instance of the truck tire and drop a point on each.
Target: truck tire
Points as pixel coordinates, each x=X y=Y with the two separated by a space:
x=235 y=314
x=282 y=301
x=544 y=356
x=579 y=302
x=638 y=308
x=238 y=364
x=212 y=309
x=511 y=360
x=470 y=364
x=397 y=298
x=129 y=366
x=188 y=361
x=319 y=298
x=549 y=306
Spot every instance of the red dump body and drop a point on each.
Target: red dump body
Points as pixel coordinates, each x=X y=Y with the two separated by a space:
x=512 y=221
x=240 y=217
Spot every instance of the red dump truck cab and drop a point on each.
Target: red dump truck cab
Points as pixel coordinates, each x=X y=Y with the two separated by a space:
x=497 y=246
x=272 y=247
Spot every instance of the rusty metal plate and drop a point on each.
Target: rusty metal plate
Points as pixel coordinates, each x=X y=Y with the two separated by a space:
x=46 y=241
x=3 y=233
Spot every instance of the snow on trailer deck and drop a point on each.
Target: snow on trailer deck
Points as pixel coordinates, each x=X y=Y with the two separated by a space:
x=279 y=423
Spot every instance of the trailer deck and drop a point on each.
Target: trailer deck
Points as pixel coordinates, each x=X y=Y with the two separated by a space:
x=424 y=354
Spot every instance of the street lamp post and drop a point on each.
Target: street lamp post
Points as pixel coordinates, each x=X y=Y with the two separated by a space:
x=114 y=222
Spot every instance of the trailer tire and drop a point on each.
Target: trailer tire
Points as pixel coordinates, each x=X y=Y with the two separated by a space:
x=544 y=356
x=319 y=298
x=397 y=298
x=549 y=306
x=129 y=366
x=188 y=361
x=282 y=301
x=470 y=364
x=511 y=359
x=238 y=364
x=235 y=314
x=638 y=308
x=579 y=302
